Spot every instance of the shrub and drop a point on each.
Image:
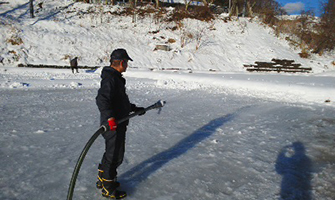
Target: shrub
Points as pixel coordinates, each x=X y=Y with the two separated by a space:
x=15 y=40
x=304 y=53
x=202 y=13
x=171 y=40
x=326 y=30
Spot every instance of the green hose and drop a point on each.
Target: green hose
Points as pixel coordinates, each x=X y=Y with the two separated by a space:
x=101 y=130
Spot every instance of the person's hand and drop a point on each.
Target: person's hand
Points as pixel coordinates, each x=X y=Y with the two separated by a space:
x=112 y=124
x=141 y=110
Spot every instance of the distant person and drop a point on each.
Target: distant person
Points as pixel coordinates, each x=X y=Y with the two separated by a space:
x=74 y=64
x=114 y=104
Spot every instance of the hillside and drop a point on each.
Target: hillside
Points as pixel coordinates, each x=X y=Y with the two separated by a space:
x=65 y=29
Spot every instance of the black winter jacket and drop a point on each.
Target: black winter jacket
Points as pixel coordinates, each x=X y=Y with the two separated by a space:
x=112 y=99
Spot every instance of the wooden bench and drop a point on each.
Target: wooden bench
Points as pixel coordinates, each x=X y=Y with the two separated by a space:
x=278 y=65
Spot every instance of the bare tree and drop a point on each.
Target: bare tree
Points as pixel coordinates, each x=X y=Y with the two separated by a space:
x=326 y=39
x=187 y=3
x=31 y=6
x=235 y=6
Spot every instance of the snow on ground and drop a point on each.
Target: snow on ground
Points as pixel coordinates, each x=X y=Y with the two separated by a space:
x=226 y=134
x=207 y=143
x=311 y=89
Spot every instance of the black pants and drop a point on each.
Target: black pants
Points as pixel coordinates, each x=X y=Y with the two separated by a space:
x=114 y=151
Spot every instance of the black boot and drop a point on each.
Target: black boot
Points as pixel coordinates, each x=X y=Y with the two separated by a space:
x=109 y=190
x=99 y=181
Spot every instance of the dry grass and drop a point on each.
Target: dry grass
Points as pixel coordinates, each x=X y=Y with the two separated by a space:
x=15 y=40
x=171 y=40
x=304 y=54
x=201 y=13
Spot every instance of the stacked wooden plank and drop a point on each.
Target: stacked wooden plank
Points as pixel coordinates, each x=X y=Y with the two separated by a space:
x=278 y=65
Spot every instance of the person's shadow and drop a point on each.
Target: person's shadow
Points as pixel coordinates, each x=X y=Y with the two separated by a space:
x=295 y=168
x=143 y=170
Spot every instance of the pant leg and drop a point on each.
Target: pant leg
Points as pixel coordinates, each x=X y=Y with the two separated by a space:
x=114 y=151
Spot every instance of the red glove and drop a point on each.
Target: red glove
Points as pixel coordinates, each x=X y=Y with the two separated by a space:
x=112 y=124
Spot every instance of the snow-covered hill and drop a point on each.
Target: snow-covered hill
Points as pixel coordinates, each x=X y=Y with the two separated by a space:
x=63 y=28
x=224 y=133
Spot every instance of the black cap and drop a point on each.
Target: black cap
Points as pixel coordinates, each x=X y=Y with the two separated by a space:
x=120 y=54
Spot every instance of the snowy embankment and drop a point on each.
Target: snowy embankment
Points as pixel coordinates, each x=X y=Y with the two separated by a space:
x=307 y=89
x=223 y=134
